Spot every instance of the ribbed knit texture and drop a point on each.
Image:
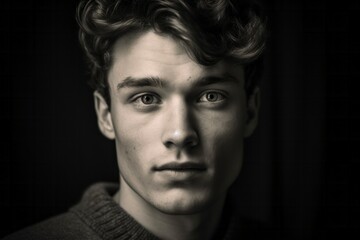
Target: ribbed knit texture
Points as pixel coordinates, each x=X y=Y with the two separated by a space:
x=99 y=217
x=99 y=211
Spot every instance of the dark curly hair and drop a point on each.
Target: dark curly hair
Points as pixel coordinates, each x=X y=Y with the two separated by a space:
x=210 y=30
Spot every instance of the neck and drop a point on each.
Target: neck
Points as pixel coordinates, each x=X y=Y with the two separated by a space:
x=201 y=225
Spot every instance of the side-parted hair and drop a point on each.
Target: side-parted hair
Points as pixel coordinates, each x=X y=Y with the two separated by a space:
x=209 y=30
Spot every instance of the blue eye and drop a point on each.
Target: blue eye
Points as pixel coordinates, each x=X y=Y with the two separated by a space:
x=212 y=97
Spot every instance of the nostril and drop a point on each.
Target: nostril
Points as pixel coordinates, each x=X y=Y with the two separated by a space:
x=191 y=142
x=168 y=144
x=186 y=142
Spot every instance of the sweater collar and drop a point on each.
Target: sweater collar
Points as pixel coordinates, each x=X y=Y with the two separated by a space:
x=101 y=213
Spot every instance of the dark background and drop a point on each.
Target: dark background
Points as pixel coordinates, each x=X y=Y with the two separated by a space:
x=301 y=174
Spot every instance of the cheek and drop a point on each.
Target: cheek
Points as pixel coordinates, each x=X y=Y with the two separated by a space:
x=224 y=147
x=128 y=147
x=228 y=147
x=128 y=159
x=228 y=158
x=135 y=138
x=223 y=130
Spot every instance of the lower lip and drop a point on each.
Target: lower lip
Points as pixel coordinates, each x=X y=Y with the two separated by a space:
x=179 y=175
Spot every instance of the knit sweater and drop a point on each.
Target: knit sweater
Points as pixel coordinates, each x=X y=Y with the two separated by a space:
x=98 y=217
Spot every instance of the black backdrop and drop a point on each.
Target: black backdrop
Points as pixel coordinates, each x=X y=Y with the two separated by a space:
x=301 y=173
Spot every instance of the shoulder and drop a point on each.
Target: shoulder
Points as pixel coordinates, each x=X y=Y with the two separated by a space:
x=64 y=226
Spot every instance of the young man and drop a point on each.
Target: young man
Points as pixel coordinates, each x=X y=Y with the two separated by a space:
x=176 y=88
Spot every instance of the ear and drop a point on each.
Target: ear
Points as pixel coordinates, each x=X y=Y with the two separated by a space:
x=253 y=105
x=103 y=116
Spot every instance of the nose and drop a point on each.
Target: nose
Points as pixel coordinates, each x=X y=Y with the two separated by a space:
x=179 y=131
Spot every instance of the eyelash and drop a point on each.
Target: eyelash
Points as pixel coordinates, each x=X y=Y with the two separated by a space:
x=218 y=94
x=138 y=100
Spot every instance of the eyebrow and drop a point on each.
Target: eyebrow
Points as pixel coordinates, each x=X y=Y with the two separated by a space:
x=208 y=80
x=142 y=82
x=161 y=83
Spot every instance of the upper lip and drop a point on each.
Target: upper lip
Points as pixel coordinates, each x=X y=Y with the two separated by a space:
x=176 y=166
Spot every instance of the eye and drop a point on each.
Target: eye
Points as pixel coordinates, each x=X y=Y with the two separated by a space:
x=145 y=100
x=212 y=97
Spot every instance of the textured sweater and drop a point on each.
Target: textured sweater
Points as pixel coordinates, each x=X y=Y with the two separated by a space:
x=99 y=217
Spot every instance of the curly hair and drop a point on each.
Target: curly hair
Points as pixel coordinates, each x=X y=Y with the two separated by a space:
x=209 y=30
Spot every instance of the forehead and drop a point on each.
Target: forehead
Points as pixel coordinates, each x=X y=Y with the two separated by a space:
x=144 y=54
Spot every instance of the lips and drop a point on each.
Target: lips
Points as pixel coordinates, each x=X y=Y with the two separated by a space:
x=181 y=167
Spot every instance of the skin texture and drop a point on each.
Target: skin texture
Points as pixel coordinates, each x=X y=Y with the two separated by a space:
x=166 y=108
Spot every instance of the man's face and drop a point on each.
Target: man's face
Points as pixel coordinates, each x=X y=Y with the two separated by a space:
x=178 y=126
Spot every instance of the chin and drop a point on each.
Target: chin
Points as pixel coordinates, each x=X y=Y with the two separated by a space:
x=183 y=203
x=183 y=209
